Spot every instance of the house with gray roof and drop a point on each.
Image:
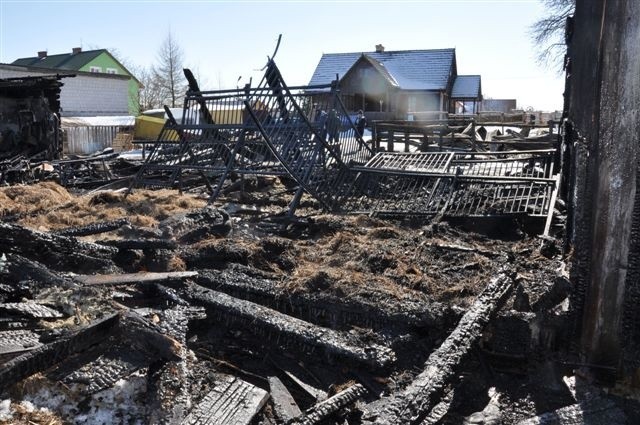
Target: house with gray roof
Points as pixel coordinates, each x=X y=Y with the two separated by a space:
x=400 y=84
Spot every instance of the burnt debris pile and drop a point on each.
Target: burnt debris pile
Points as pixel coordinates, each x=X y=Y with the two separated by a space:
x=125 y=301
x=159 y=308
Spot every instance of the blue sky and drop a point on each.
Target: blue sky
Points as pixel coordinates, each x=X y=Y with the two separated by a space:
x=223 y=40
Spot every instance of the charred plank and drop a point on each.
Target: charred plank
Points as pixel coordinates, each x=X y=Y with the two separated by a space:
x=32 y=309
x=321 y=411
x=411 y=405
x=599 y=411
x=49 y=354
x=21 y=269
x=325 y=308
x=142 y=244
x=232 y=401
x=120 y=279
x=56 y=252
x=260 y=319
x=93 y=228
x=284 y=405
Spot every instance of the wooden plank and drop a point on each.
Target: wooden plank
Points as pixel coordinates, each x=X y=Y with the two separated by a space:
x=119 y=279
x=233 y=401
x=284 y=405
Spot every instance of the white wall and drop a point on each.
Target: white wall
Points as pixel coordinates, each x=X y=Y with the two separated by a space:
x=84 y=95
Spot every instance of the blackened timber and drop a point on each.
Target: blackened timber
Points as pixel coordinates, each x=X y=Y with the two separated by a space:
x=595 y=412
x=149 y=337
x=18 y=268
x=49 y=354
x=31 y=309
x=93 y=228
x=284 y=406
x=140 y=243
x=411 y=405
x=232 y=401
x=260 y=319
x=56 y=252
x=321 y=411
x=327 y=309
x=142 y=277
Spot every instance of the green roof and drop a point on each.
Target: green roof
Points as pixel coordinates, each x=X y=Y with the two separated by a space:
x=69 y=61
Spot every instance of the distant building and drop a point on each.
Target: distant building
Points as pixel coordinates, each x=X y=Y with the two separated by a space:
x=498 y=105
x=400 y=84
x=87 y=94
x=92 y=61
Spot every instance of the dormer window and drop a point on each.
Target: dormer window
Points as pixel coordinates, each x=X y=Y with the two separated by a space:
x=112 y=71
x=95 y=69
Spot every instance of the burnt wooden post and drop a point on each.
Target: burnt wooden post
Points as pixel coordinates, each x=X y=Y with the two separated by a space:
x=406 y=141
x=604 y=135
x=391 y=140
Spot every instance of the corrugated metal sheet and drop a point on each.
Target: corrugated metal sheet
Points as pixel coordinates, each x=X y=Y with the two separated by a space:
x=466 y=87
x=411 y=69
x=89 y=139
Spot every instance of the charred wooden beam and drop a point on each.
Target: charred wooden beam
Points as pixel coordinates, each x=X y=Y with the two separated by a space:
x=148 y=337
x=232 y=401
x=143 y=277
x=284 y=406
x=49 y=354
x=141 y=244
x=93 y=228
x=325 y=308
x=411 y=405
x=20 y=269
x=597 y=411
x=57 y=252
x=31 y=309
x=318 y=413
x=263 y=320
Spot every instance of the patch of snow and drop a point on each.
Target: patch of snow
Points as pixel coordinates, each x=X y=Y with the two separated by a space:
x=5 y=410
x=27 y=406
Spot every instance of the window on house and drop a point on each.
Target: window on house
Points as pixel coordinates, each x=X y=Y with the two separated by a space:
x=95 y=69
x=112 y=71
x=412 y=101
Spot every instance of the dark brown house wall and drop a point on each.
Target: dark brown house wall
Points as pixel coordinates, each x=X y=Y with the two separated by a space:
x=604 y=137
x=364 y=87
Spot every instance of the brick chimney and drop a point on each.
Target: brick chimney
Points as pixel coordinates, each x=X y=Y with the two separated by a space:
x=379 y=48
x=76 y=50
x=42 y=54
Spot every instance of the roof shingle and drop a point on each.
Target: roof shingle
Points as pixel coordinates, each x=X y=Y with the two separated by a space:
x=70 y=61
x=411 y=69
x=466 y=87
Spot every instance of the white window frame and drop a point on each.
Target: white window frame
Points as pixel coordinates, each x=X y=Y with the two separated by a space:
x=112 y=71
x=95 y=69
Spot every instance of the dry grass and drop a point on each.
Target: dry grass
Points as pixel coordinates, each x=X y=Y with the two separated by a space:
x=58 y=209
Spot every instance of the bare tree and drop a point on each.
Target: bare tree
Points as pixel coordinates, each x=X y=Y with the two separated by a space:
x=153 y=94
x=548 y=32
x=168 y=72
